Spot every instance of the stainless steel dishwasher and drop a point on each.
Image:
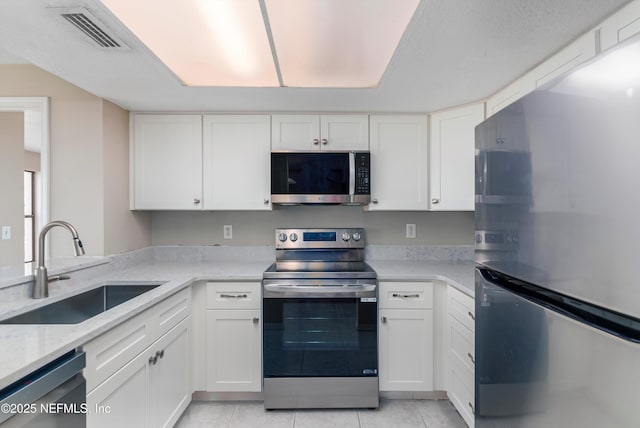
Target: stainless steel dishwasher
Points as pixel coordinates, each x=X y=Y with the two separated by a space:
x=54 y=396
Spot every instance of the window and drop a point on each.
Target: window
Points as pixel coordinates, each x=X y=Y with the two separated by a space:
x=29 y=217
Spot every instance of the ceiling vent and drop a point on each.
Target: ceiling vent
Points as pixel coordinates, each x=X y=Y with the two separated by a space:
x=89 y=28
x=97 y=33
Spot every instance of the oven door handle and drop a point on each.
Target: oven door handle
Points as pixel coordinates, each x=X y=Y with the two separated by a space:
x=349 y=291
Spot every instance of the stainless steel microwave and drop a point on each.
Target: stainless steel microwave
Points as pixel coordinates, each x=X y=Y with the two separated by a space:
x=321 y=178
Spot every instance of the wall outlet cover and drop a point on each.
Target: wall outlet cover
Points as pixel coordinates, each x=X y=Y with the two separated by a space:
x=227 y=231
x=411 y=231
x=6 y=232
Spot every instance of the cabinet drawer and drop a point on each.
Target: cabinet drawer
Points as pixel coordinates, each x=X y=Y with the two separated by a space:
x=109 y=352
x=233 y=295
x=168 y=313
x=461 y=346
x=406 y=295
x=461 y=391
x=461 y=307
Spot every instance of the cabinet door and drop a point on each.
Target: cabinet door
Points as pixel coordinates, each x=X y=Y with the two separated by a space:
x=121 y=400
x=562 y=61
x=170 y=380
x=566 y=59
x=406 y=349
x=510 y=93
x=295 y=132
x=399 y=163
x=452 y=158
x=234 y=350
x=461 y=391
x=237 y=169
x=344 y=132
x=620 y=26
x=167 y=162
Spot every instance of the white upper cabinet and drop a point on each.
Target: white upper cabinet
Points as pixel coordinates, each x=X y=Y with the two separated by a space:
x=236 y=153
x=563 y=61
x=399 y=164
x=324 y=132
x=452 y=158
x=167 y=162
x=510 y=93
x=620 y=26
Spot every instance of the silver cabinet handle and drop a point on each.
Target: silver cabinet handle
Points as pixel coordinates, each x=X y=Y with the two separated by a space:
x=383 y=319
x=316 y=141
x=375 y=201
x=473 y=317
x=196 y=201
x=160 y=353
x=325 y=142
x=472 y=409
x=256 y=320
x=153 y=360
x=234 y=296
x=405 y=296
x=471 y=357
x=266 y=201
x=435 y=200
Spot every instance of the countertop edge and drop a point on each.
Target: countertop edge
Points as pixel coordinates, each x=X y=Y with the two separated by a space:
x=80 y=334
x=76 y=336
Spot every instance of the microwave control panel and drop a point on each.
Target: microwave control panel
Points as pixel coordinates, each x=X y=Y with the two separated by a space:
x=363 y=166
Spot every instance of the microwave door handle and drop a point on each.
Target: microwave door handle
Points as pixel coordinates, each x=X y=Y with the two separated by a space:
x=352 y=173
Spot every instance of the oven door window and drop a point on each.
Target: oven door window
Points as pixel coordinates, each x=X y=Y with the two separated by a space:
x=306 y=337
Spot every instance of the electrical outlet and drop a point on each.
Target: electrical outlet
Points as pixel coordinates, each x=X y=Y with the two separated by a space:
x=411 y=230
x=228 y=231
x=6 y=232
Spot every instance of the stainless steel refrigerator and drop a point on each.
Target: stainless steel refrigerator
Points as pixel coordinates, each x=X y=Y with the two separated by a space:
x=557 y=292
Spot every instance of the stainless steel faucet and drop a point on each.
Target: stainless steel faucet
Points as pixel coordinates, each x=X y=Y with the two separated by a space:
x=41 y=284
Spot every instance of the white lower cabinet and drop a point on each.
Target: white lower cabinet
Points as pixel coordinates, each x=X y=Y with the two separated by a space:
x=139 y=373
x=233 y=337
x=152 y=390
x=406 y=336
x=460 y=339
x=170 y=375
x=122 y=399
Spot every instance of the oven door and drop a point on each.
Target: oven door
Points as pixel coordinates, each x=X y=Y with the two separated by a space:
x=320 y=331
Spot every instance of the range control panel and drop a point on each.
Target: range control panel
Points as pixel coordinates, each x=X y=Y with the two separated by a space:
x=319 y=238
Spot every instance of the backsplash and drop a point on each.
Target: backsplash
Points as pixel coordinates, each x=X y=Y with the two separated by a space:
x=84 y=270
x=441 y=253
x=196 y=254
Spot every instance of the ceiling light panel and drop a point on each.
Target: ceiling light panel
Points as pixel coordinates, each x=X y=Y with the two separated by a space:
x=337 y=43
x=204 y=42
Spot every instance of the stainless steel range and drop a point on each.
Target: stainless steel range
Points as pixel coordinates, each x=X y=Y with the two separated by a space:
x=320 y=336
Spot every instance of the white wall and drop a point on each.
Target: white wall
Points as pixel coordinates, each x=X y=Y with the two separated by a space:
x=256 y=228
x=82 y=182
x=11 y=187
x=124 y=230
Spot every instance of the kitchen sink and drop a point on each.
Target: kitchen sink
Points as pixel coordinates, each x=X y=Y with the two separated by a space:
x=81 y=307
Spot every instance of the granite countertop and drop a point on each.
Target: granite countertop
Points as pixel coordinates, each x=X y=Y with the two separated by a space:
x=25 y=348
x=28 y=347
x=458 y=274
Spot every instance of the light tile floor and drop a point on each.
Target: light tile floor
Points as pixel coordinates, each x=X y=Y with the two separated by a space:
x=392 y=413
